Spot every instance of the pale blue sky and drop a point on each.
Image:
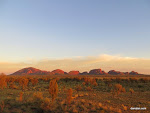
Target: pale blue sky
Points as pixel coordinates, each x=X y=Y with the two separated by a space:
x=38 y=29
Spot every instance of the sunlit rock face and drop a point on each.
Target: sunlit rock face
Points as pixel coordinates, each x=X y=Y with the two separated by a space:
x=58 y=72
x=133 y=73
x=30 y=71
x=74 y=73
x=97 y=72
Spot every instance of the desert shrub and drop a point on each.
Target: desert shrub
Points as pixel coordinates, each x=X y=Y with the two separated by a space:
x=123 y=90
x=108 y=82
x=69 y=95
x=144 y=80
x=46 y=104
x=124 y=107
x=37 y=96
x=118 y=89
x=10 y=79
x=34 y=81
x=94 y=84
x=89 y=88
x=109 y=85
x=45 y=79
x=133 y=79
x=131 y=91
x=20 y=96
x=64 y=88
x=92 y=80
x=118 y=79
x=84 y=106
x=12 y=86
x=78 y=88
x=83 y=83
x=67 y=79
x=23 y=82
x=77 y=79
x=3 y=83
x=87 y=80
x=53 y=89
x=2 y=105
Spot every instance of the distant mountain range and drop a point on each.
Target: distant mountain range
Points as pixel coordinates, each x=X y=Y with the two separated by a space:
x=34 y=71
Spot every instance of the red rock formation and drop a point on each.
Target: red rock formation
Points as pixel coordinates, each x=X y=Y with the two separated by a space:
x=133 y=73
x=34 y=71
x=84 y=73
x=58 y=72
x=126 y=73
x=96 y=72
x=113 y=72
x=30 y=71
x=74 y=73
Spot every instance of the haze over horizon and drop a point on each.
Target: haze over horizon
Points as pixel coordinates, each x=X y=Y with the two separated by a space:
x=75 y=35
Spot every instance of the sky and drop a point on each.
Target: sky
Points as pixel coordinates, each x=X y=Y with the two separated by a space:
x=45 y=31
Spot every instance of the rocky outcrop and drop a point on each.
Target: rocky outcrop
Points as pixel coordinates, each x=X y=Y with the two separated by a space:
x=133 y=73
x=97 y=72
x=84 y=73
x=113 y=72
x=65 y=73
x=34 y=71
x=126 y=73
x=74 y=73
x=30 y=71
x=58 y=72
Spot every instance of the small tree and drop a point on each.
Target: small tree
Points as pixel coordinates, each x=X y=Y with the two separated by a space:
x=21 y=95
x=3 y=82
x=118 y=89
x=69 y=95
x=53 y=89
x=23 y=82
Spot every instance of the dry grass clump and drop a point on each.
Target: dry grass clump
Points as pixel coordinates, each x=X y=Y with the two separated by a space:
x=53 y=89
